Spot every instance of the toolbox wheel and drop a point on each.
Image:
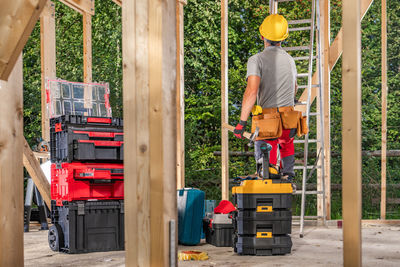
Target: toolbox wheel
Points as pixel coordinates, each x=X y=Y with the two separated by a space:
x=55 y=237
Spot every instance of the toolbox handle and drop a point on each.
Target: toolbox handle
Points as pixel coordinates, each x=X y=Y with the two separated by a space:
x=99 y=134
x=95 y=174
x=103 y=143
x=98 y=120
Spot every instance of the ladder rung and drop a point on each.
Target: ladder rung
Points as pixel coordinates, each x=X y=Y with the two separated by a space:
x=280 y=1
x=307 y=28
x=305 y=86
x=303 y=58
x=308 y=217
x=314 y=113
x=296 y=48
x=302 y=75
x=298 y=192
x=299 y=21
x=303 y=141
x=301 y=103
x=308 y=167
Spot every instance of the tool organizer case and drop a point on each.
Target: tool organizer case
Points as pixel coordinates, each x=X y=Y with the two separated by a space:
x=85 y=181
x=88 y=139
x=246 y=227
x=218 y=234
x=87 y=226
x=251 y=245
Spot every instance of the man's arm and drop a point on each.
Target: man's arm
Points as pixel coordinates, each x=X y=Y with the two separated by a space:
x=250 y=96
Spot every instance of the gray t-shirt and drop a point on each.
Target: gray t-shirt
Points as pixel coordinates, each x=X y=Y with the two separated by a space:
x=277 y=71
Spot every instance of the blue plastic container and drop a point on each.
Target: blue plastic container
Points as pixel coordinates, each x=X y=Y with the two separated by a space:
x=190 y=215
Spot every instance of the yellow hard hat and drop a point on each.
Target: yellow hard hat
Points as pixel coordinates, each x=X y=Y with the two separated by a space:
x=274 y=28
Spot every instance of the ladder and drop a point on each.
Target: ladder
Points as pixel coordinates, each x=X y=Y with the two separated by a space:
x=313 y=26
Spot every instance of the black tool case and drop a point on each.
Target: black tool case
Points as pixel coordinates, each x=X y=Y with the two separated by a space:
x=250 y=222
x=251 y=245
x=87 y=226
x=86 y=139
x=218 y=234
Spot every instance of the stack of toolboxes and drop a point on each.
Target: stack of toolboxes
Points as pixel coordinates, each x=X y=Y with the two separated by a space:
x=263 y=219
x=87 y=184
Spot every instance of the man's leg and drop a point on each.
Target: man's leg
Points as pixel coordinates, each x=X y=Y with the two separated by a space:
x=287 y=152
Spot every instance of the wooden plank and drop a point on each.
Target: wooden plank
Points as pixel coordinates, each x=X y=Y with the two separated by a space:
x=87 y=47
x=224 y=100
x=81 y=6
x=47 y=59
x=149 y=97
x=118 y=2
x=17 y=18
x=11 y=171
x=351 y=133
x=32 y=165
x=180 y=97
x=384 y=108
x=335 y=51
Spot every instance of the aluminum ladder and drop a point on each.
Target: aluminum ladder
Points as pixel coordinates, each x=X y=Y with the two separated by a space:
x=313 y=26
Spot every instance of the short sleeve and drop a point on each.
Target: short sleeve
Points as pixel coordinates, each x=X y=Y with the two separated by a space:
x=253 y=67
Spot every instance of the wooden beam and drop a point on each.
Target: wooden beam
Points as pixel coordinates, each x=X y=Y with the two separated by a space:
x=32 y=165
x=351 y=133
x=180 y=97
x=149 y=98
x=335 y=51
x=47 y=59
x=17 y=20
x=384 y=108
x=118 y=2
x=81 y=6
x=11 y=172
x=87 y=47
x=224 y=100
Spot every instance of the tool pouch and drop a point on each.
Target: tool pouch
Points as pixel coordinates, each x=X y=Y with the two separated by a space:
x=270 y=126
x=290 y=119
x=302 y=127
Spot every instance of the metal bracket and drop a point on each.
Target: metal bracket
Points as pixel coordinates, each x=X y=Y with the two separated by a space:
x=172 y=243
x=81 y=208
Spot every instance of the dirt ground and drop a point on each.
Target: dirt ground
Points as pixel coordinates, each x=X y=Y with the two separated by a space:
x=320 y=247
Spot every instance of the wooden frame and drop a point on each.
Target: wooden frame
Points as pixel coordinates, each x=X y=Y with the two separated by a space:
x=81 y=6
x=87 y=47
x=351 y=133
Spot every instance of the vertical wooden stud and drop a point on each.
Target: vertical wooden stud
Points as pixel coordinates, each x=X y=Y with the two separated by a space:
x=149 y=97
x=224 y=100
x=48 y=58
x=11 y=170
x=384 y=110
x=180 y=96
x=87 y=47
x=351 y=133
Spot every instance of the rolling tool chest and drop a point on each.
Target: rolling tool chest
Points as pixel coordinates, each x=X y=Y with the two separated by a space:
x=262 y=222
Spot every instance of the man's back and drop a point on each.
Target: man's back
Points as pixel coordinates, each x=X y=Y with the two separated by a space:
x=278 y=77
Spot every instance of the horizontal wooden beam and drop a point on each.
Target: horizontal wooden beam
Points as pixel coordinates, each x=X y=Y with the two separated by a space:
x=118 y=2
x=81 y=6
x=335 y=51
x=17 y=20
x=32 y=165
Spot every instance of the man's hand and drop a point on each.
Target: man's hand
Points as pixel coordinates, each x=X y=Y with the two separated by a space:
x=239 y=129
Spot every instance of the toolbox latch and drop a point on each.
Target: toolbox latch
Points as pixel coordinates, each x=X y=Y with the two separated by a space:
x=81 y=208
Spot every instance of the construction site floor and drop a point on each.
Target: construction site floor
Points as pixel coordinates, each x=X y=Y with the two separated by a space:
x=319 y=247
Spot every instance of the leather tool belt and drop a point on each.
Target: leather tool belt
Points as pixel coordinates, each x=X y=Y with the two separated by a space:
x=273 y=120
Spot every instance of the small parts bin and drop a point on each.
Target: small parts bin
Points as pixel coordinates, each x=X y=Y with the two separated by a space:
x=219 y=230
x=87 y=226
x=263 y=220
x=86 y=181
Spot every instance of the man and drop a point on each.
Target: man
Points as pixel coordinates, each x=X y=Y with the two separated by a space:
x=271 y=80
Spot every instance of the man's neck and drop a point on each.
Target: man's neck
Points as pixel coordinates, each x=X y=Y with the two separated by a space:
x=266 y=44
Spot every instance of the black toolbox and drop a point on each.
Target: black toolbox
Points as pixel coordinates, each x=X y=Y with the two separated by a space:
x=263 y=246
x=87 y=226
x=250 y=222
x=86 y=139
x=218 y=233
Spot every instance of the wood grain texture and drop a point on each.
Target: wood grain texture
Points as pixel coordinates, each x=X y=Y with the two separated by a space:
x=81 y=6
x=384 y=108
x=87 y=47
x=224 y=100
x=17 y=20
x=351 y=133
x=118 y=2
x=149 y=91
x=11 y=171
x=32 y=165
x=47 y=59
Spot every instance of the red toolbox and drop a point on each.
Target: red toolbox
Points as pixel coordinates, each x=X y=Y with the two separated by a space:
x=86 y=139
x=86 y=181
